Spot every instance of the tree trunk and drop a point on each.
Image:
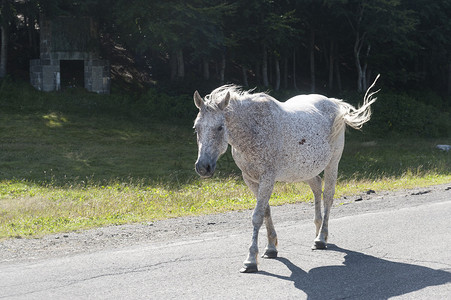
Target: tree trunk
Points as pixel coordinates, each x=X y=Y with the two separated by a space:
x=312 y=61
x=337 y=67
x=257 y=72
x=205 y=68
x=338 y=75
x=285 y=72
x=368 y=75
x=270 y=71
x=357 y=49
x=173 y=65
x=358 y=44
x=365 y=70
x=331 y=65
x=294 y=70
x=277 y=70
x=449 y=79
x=361 y=70
x=3 y=50
x=29 y=32
x=265 y=67
x=222 y=69
x=244 y=71
x=180 y=64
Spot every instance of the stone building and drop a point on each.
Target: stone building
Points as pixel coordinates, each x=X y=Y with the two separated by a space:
x=69 y=56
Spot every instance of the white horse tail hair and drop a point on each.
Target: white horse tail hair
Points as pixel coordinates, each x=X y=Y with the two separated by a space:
x=354 y=117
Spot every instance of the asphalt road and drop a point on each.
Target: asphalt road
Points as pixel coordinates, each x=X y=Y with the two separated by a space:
x=390 y=246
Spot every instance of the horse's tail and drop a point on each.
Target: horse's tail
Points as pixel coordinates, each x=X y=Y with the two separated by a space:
x=354 y=117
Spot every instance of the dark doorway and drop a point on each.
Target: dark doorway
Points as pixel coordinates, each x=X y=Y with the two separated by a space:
x=72 y=73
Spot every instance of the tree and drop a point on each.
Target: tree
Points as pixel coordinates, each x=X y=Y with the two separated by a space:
x=243 y=31
x=174 y=28
x=155 y=25
x=408 y=41
x=312 y=14
x=431 y=63
x=281 y=37
x=264 y=35
x=376 y=23
x=208 y=39
x=6 y=17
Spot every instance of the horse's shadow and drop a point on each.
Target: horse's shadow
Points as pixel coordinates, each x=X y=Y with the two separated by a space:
x=362 y=277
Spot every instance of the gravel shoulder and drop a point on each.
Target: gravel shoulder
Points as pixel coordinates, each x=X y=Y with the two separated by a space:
x=123 y=236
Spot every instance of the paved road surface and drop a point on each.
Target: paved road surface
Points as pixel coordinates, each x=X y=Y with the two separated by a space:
x=390 y=246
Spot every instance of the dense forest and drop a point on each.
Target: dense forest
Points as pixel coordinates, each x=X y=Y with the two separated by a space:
x=311 y=45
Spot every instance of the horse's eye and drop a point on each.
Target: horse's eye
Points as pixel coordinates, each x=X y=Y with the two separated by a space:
x=220 y=128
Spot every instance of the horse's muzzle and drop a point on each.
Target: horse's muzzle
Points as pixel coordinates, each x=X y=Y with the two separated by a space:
x=205 y=169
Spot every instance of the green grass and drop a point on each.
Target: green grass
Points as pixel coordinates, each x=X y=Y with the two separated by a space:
x=64 y=168
x=59 y=148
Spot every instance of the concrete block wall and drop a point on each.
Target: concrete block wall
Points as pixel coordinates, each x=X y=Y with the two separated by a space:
x=45 y=76
x=36 y=73
x=97 y=76
x=45 y=73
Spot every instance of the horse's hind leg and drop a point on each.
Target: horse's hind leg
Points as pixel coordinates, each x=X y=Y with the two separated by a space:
x=271 y=248
x=329 y=191
x=330 y=179
x=316 y=185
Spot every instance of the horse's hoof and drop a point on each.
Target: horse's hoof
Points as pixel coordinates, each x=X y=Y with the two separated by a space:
x=270 y=254
x=319 y=245
x=249 y=269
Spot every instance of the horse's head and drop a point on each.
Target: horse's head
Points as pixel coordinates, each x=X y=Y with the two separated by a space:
x=212 y=139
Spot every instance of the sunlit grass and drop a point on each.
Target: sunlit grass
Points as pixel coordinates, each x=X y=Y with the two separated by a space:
x=30 y=209
x=27 y=209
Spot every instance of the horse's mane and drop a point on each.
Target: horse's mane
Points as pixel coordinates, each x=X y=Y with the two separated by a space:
x=237 y=95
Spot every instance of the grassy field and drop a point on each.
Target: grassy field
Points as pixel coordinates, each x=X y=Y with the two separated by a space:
x=65 y=167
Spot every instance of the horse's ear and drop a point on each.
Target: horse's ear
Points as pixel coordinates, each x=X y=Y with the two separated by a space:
x=198 y=100
x=223 y=104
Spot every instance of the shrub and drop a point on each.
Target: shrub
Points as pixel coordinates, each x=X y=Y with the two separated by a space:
x=160 y=106
x=400 y=113
x=393 y=113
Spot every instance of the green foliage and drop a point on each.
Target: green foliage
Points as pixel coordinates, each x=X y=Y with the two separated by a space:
x=367 y=157
x=152 y=106
x=407 y=42
x=160 y=106
x=404 y=115
x=418 y=114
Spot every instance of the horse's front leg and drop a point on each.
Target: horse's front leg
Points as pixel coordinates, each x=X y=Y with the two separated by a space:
x=264 y=191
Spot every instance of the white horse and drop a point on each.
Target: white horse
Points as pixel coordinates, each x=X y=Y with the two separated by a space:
x=277 y=141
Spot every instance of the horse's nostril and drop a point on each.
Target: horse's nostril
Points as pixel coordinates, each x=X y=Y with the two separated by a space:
x=205 y=170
